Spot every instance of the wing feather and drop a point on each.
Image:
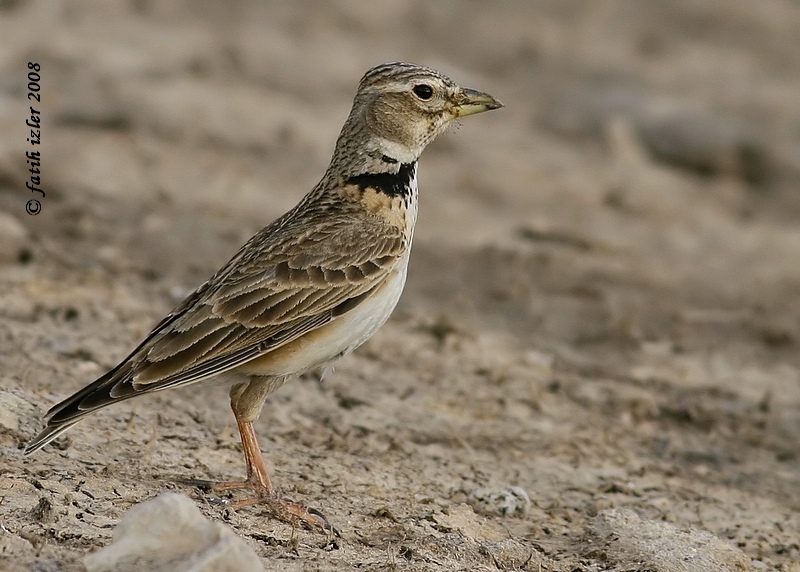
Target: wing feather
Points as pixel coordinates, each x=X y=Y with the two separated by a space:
x=290 y=279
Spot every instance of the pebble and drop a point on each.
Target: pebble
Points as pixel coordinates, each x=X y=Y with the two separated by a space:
x=507 y=501
x=168 y=534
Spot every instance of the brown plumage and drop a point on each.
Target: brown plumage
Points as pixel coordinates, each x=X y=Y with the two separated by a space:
x=310 y=287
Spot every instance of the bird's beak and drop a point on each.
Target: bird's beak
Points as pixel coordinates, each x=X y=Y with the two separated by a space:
x=470 y=101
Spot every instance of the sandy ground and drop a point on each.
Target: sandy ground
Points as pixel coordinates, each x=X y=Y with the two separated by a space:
x=602 y=306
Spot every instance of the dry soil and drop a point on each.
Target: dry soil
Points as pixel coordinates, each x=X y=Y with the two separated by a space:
x=602 y=307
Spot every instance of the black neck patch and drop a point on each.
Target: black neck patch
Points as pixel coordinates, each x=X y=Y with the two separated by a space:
x=392 y=184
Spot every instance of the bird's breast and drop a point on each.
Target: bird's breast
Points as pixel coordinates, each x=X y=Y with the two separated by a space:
x=391 y=197
x=337 y=338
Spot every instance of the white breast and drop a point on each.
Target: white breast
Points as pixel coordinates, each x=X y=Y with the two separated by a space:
x=325 y=345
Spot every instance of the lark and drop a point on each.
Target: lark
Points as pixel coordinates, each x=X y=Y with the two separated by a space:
x=306 y=290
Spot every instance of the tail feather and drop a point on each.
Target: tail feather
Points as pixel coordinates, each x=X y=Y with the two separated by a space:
x=103 y=391
x=116 y=385
x=50 y=432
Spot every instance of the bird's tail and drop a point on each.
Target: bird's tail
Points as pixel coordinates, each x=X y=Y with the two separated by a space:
x=103 y=391
x=50 y=432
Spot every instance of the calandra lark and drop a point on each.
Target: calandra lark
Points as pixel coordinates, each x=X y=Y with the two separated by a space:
x=307 y=289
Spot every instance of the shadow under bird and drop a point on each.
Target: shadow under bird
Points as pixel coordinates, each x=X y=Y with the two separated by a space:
x=307 y=289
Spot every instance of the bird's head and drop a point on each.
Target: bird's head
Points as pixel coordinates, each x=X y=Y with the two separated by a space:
x=400 y=108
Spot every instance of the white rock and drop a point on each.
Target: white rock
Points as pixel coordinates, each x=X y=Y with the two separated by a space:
x=169 y=534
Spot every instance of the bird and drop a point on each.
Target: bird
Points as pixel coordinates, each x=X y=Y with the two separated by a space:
x=308 y=288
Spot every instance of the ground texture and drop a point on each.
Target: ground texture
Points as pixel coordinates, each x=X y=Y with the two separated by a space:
x=602 y=307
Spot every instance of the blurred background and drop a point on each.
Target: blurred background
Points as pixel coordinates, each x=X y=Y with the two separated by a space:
x=605 y=273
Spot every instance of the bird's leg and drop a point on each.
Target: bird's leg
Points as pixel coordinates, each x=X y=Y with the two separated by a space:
x=259 y=482
x=257 y=476
x=246 y=402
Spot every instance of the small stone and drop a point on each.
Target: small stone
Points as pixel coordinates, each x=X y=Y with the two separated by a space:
x=508 y=501
x=169 y=534
x=43 y=511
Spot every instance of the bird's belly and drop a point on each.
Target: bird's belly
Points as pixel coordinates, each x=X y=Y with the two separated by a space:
x=327 y=343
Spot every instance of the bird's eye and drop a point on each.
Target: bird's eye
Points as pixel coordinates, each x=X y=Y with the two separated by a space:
x=423 y=91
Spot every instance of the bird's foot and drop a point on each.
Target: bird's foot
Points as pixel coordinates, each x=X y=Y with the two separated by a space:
x=287 y=511
x=282 y=509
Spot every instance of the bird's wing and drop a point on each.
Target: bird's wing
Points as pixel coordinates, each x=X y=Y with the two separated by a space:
x=291 y=278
